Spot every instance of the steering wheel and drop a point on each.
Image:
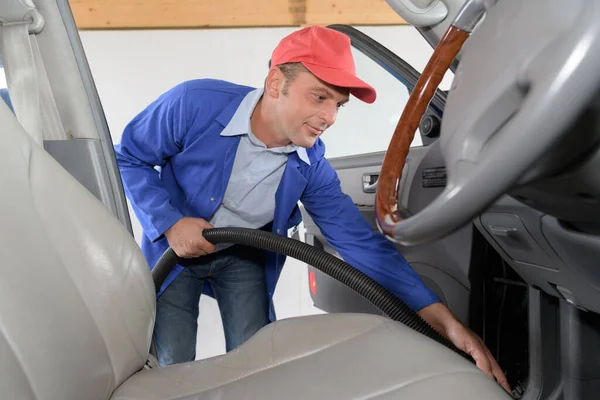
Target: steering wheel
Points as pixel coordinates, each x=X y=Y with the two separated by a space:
x=524 y=75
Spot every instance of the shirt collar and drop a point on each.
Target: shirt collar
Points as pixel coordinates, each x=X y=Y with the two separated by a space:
x=240 y=123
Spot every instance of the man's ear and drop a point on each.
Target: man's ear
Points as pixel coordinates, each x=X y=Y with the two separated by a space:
x=274 y=82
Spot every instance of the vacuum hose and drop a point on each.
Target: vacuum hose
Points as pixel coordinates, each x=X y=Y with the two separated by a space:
x=385 y=301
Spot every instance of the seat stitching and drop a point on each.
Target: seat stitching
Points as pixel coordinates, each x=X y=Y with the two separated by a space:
x=271 y=366
x=142 y=353
x=3 y=331
x=324 y=347
x=404 y=385
x=16 y=355
x=388 y=325
x=110 y=385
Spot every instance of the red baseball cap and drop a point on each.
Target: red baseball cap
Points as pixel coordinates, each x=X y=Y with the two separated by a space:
x=327 y=54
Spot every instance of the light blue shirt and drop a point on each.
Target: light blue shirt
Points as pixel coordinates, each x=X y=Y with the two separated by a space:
x=249 y=199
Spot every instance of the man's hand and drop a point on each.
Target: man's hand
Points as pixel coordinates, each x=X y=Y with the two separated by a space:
x=186 y=239
x=442 y=320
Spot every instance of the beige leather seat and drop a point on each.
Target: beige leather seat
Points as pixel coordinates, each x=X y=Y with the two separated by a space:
x=77 y=308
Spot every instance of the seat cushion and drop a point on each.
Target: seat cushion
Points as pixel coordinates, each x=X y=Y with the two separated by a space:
x=330 y=356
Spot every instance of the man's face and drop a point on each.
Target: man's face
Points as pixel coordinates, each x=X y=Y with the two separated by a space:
x=306 y=107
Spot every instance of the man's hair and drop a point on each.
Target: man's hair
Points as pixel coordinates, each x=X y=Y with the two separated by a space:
x=290 y=72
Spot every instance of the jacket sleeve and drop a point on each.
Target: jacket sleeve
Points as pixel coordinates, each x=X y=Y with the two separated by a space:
x=349 y=233
x=148 y=141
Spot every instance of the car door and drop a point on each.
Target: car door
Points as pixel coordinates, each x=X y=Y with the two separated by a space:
x=58 y=93
x=356 y=147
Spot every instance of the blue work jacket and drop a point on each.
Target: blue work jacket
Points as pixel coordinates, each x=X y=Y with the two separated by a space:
x=175 y=163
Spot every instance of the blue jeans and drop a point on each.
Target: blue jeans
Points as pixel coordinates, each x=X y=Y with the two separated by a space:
x=237 y=277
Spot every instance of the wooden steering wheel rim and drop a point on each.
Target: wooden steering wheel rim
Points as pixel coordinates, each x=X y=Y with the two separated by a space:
x=386 y=202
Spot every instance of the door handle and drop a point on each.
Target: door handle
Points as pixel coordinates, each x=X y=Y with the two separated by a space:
x=369 y=182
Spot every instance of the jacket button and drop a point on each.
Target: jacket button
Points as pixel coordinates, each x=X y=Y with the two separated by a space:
x=278 y=230
x=212 y=199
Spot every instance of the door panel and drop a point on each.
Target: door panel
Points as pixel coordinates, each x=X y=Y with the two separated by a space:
x=443 y=265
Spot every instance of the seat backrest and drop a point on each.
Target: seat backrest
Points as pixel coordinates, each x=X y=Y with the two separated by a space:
x=77 y=301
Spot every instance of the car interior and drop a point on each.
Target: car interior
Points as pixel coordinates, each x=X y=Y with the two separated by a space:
x=498 y=212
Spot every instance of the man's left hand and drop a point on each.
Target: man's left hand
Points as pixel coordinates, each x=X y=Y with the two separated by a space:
x=446 y=323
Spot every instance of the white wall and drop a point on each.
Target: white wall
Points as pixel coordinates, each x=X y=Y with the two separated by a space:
x=132 y=68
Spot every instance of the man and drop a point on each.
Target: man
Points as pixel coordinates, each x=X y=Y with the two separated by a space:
x=231 y=155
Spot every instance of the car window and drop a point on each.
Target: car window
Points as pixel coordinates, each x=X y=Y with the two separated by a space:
x=407 y=42
x=365 y=128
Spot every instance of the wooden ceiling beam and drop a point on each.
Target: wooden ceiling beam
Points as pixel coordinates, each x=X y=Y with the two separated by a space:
x=175 y=14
